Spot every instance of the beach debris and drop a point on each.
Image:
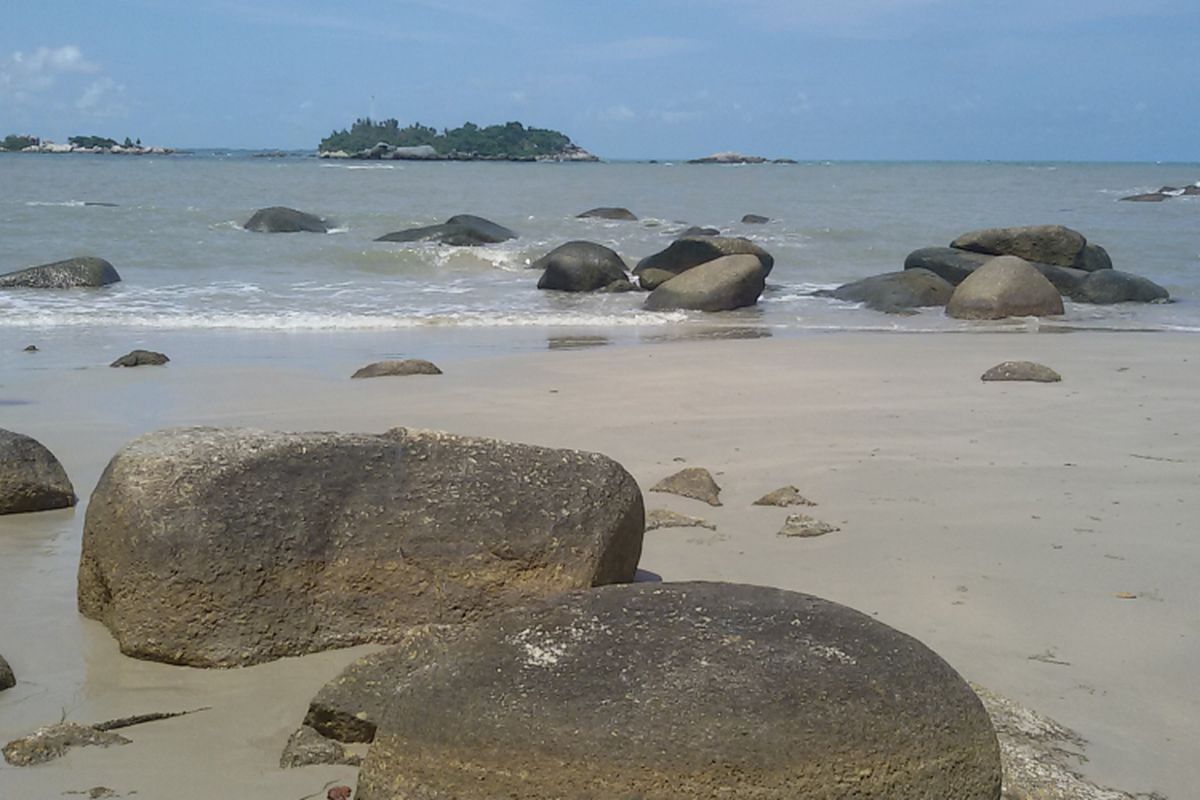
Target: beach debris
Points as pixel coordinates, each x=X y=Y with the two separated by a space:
x=608 y=212
x=280 y=219
x=31 y=348
x=306 y=747
x=694 y=482
x=1021 y=371
x=52 y=741
x=407 y=366
x=665 y=518
x=85 y=271
x=1125 y=596
x=31 y=478
x=784 y=496
x=141 y=358
x=96 y=792
x=804 y=526
x=7 y=679
x=1049 y=656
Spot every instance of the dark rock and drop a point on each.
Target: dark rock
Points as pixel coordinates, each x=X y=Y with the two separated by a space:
x=1092 y=258
x=84 y=271
x=1048 y=244
x=342 y=792
x=665 y=518
x=719 y=285
x=696 y=230
x=1111 y=286
x=897 y=291
x=955 y=265
x=1021 y=371
x=804 y=526
x=7 y=680
x=53 y=741
x=227 y=547
x=688 y=252
x=1149 y=197
x=31 y=348
x=694 y=482
x=1006 y=286
x=663 y=691
x=280 y=219
x=609 y=212
x=31 y=478
x=784 y=496
x=580 y=267
x=140 y=358
x=1192 y=190
x=306 y=747
x=461 y=230
x=408 y=366
x=755 y=219
x=618 y=286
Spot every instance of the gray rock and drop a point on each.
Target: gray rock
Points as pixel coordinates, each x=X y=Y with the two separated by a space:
x=1021 y=371
x=694 y=482
x=1149 y=197
x=804 y=526
x=697 y=230
x=83 y=271
x=280 y=219
x=665 y=518
x=609 y=212
x=719 y=285
x=407 y=366
x=227 y=547
x=141 y=358
x=31 y=478
x=1112 y=286
x=688 y=252
x=580 y=267
x=755 y=219
x=306 y=747
x=1092 y=258
x=1048 y=244
x=7 y=679
x=784 y=496
x=461 y=230
x=955 y=265
x=53 y=741
x=1006 y=286
x=894 y=292
x=674 y=691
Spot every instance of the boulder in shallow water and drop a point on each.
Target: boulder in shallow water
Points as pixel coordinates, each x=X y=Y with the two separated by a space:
x=1021 y=371
x=407 y=366
x=697 y=230
x=955 y=265
x=461 y=230
x=1148 y=197
x=31 y=478
x=719 y=285
x=83 y=271
x=280 y=219
x=1113 y=286
x=7 y=679
x=893 y=292
x=755 y=219
x=141 y=358
x=691 y=251
x=1049 y=244
x=608 y=212
x=665 y=691
x=580 y=267
x=226 y=547
x=1006 y=286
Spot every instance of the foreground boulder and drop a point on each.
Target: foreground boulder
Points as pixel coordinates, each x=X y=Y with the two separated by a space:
x=225 y=547
x=720 y=285
x=401 y=367
x=1006 y=286
x=691 y=251
x=83 y=271
x=1113 y=286
x=580 y=267
x=608 y=212
x=689 y=690
x=31 y=478
x=7 y=680
x=895 y=292
x=461 y=230
x=280 y=219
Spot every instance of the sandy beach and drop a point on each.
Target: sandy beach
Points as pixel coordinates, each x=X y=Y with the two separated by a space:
x=1040 y=537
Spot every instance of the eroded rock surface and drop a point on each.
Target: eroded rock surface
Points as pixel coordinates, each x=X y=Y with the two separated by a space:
x=31 y=478
x=694 y=482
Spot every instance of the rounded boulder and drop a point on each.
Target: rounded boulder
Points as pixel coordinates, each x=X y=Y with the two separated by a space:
x=691 y=251
x=687 y=690
x=894 y=292
x=580 y=267
x=1109 y=286
x=1006 y=286
x=83 y=271
x=280 y=219
x=1049 y=244
x=719 y=285
x=31 y=478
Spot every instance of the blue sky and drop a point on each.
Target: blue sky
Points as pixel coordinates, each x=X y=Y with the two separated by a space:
x=851 y=79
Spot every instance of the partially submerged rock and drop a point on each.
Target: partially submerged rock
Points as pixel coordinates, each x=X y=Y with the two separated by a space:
x=306 y=747
x=894 y=292
x=1021 y=371
x=694 y=482
x=674 y=691
x=665 y=518
x=956 y=265
x=755 y=219
x=227 y=547
x=7 y=679
x=1006 y=286
x=691 y=251
x=281 y=219
x=83 y=271
x=31 y=478
x=407 y=366
x=608 y=212
x=784 y=496
x=53 y=741
x=1112 y=286
x=461 y=230
x=722 y=284
x=580 y=266
x=1048 y=244
x=141 y=358
x=804 y=526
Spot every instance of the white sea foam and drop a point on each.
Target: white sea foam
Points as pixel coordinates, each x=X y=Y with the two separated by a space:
x=59 y=203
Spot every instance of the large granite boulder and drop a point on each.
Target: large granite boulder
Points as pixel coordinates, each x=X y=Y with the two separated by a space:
x=608 y=212
x=82 y=271
x=674 y=691
x=7 y=680
x=1006 y=286
x=955 y=265
x=720 y=285
x=280 y=219
x=690 y=251
x=225 y=547
x=1113 y=286
x=1049 y=244
x=31 y=478
x=580 y=267
x=461 y=230
x=894 y=292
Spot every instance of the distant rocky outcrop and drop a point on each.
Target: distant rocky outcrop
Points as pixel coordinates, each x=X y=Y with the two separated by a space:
x=512 y=141
x=1006 y=286
x=226 y=547
x=691 y=251
x=895 y=292
x=608 y=212
x=398 y=367
x=722 y=284
x=461 y=230
x=677 y=691
x=31 y=478
x=81 y=271
x=728 y=157
x=1165 y=193
x=581 y=266
x=280 y=219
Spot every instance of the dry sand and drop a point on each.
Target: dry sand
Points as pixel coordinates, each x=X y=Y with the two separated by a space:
x=996 y=522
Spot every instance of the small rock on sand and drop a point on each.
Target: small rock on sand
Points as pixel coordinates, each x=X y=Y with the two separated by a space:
x=802 y=525
x=408 y=366
x=140 y=358
x=694 y=482
x=784 y=496
x=306 y=747
x=1021 y=371
x=52 y=741
x=7 y=680
x=665 y=518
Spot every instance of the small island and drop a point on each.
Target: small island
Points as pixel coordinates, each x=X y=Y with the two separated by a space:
x=386 y=140
x=24 y=143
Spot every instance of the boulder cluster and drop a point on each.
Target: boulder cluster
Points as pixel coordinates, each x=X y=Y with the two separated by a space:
x=1165 y=193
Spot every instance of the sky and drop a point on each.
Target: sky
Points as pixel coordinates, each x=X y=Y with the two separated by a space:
x=1084 y=80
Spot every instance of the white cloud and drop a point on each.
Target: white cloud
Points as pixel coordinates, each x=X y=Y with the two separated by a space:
x=102 y=98
x=618 y=113
x=23 y=74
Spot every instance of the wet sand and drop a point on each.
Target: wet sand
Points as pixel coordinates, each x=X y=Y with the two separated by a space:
x=996 y=522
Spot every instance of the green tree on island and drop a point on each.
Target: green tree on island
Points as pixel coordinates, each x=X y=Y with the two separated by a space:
x=511 y=139
x=16 y=142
